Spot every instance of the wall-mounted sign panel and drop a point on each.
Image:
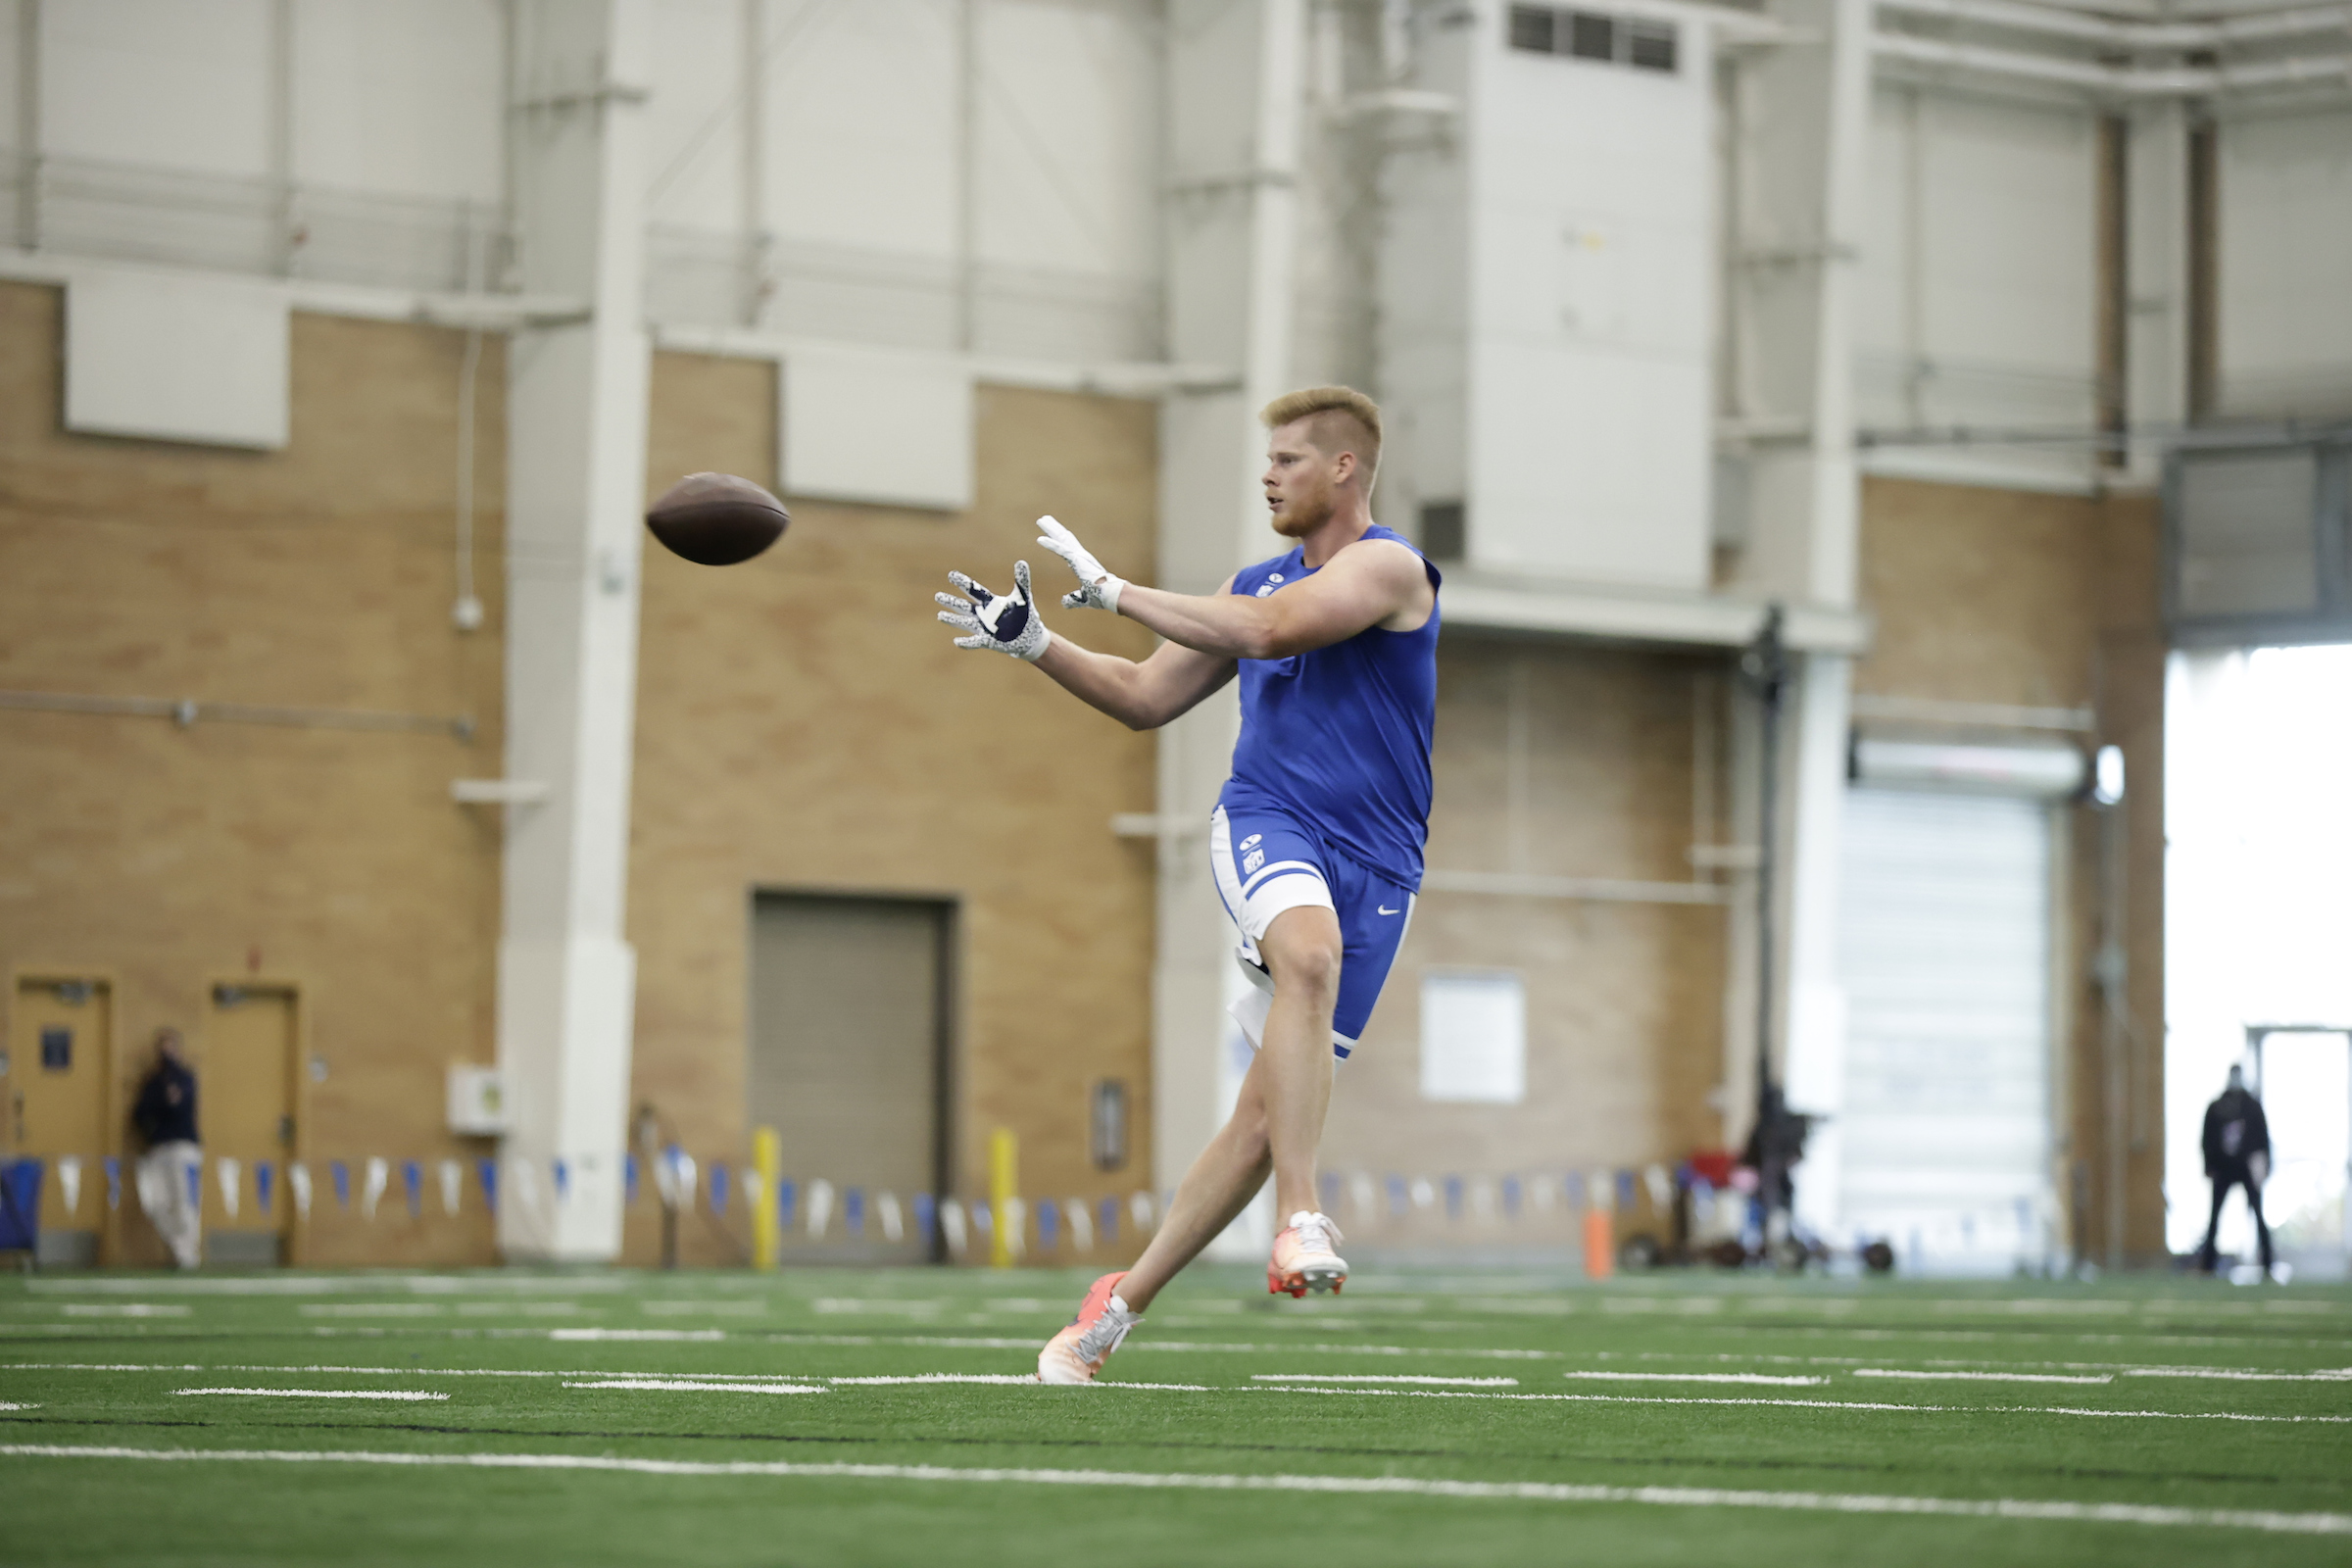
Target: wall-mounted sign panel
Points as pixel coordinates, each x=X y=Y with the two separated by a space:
x=177 y=357
x=874 y=426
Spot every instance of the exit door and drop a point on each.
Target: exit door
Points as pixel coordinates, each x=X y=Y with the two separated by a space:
x=60 y=1050
x=245 y=1113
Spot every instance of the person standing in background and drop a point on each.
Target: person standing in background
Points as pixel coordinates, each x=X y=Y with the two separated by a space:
x=170 y=1172
x=2237 y=1152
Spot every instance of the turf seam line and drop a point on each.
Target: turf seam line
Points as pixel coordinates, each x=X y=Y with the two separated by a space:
x=2271 y=1521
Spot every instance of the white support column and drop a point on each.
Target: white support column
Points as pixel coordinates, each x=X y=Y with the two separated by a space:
x=2156 y=275
x=1806 y=111
x=575 y=480
x=1235 y=85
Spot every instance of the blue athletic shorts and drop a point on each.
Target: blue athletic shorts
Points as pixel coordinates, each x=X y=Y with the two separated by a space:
x=1267 y=861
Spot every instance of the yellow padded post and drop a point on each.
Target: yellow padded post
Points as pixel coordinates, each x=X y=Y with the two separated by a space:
x=1003 y=1187
x=768 y=1229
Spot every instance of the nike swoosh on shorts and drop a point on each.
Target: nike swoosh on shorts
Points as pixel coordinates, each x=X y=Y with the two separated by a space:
x=1385 y=910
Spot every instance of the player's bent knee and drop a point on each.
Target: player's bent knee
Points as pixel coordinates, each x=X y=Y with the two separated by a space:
x=1302 y=948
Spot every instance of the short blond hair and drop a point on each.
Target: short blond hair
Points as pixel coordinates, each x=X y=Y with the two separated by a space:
x=1340 y=420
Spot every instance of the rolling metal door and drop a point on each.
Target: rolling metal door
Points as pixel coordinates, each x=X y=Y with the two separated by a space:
x=1944 y=948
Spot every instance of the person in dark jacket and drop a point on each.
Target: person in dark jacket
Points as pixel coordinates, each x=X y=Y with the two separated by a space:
x=2237 y=1152
x=170 y=1174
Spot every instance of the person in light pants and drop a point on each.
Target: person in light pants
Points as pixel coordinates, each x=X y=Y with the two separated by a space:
x=170 y=1172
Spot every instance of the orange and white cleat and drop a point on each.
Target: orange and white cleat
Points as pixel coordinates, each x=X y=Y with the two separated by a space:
x=1304 y=1259
x=1077 y=1352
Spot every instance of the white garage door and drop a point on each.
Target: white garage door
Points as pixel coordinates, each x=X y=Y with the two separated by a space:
x=1944 y=948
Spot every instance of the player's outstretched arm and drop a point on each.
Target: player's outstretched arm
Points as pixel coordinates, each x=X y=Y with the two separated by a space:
x=1140 y=695
x=1373 y=583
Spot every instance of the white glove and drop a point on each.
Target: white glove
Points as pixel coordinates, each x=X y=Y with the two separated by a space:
x=1005 y=622
x=1096 y=589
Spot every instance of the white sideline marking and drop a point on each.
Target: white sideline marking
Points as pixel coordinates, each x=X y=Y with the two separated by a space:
x=1380 y=1377
x=126 y=1310
x=2276 y=1522
x=1774 y=1379
x=695 y=1385
x=946 y=1377
x=5 y=1405
x=371 y=1309
x=324 y=1394
x=636 y=1334
x=1981 y=1377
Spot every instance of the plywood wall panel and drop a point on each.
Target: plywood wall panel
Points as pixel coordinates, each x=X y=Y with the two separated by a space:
x=805 y=724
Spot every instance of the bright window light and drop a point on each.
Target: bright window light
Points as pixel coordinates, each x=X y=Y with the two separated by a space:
x=1474 y=1037
x=2258 y=912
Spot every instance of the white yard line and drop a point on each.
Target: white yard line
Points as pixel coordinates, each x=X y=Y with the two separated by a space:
x=1029 y=1378
x=6 y=1405
x=1774 y=1380
x=372 y=1309
x=126 y=1310
x=356 y=1283
x=634 y=1334
x=1382 y=1377
x=2239 y=1374
x=1980 y=1377
x=2020 y=1508
x=939 y=1342
x=413 y=1395
x=695 y=1385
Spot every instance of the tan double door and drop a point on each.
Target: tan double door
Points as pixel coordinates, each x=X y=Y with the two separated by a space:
x=245 y=1109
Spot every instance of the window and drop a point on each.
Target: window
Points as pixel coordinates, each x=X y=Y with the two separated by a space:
x=1649 y=45
x=1442 y=534
x=1474 y=1037
x=1591 y=36
x=1644 y=42
x=1531 y=28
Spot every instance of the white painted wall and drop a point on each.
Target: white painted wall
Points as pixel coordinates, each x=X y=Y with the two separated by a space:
x=1548 y=300
x=1978 y=296
x=158 y=83
x=2285 y=284
x=1592 y=190
x=405 y=100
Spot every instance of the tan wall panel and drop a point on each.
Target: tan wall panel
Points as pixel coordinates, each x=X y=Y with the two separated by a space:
x=1624 y=999
x=804 y=722
x=317 y=577
x=1991 y=596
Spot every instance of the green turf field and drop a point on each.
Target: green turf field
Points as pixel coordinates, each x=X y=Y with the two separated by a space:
x=781 y=1419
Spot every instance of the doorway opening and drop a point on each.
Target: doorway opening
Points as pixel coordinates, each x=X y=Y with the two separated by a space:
x=2258 y=921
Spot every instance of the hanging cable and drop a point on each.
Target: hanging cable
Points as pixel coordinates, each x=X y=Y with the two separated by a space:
x=466 y=612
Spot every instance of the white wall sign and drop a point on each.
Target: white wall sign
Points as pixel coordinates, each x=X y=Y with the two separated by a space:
x=177 y=357
x=1474 y=1037
x=886 y=429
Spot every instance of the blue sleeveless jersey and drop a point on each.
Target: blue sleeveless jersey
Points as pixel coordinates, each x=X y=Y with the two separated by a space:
x=1340 y=736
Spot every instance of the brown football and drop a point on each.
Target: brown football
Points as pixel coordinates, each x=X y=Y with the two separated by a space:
x=716 y=519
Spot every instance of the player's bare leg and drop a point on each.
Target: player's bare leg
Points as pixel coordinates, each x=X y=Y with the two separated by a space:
x=1222 y=1181
x=1301 y=950
x=1220 y=1185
